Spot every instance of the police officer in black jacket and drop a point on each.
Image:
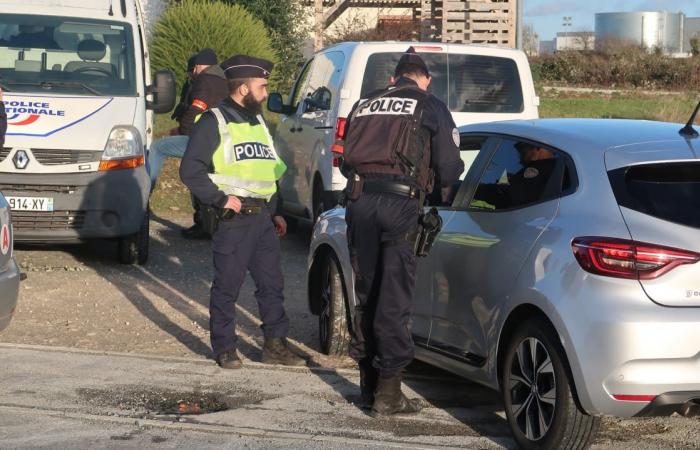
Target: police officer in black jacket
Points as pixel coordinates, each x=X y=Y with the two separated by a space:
x=207 y=89
x=396 y=142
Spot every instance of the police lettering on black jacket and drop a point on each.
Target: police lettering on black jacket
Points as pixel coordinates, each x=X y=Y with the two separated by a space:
x=385 y=121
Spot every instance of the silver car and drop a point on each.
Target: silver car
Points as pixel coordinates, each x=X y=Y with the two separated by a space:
x=566 y=274
x=9 y=272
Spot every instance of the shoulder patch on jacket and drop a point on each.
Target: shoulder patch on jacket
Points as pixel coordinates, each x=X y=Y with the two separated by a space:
x=197 y=103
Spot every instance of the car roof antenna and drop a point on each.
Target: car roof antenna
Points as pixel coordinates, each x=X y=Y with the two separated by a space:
x=688 y=129
x=111 y=11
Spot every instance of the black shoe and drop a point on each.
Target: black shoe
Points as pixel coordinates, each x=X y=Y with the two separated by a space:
x=275 y=351
x=388 y=398
x=195 y=232
x=368 y=383
x=229 y=360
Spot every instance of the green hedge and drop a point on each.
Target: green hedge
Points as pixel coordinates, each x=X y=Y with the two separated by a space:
x=191 y=25
x=626 y=68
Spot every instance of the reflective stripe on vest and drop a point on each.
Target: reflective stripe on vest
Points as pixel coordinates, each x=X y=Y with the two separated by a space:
x=245 y=163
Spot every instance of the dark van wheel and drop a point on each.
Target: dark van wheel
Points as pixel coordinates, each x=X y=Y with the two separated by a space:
x=538 y=395
x=134 y=248
x=332 y=321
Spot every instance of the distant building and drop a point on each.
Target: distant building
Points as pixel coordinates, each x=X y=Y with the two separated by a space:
x=462 y=21
x=574 y=40
x=547 y=47
x=650 y=29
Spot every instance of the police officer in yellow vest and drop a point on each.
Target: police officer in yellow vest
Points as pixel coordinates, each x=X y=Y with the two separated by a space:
x=231 y=164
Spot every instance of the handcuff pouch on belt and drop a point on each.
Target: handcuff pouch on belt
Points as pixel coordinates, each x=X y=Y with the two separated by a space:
x=429 y=226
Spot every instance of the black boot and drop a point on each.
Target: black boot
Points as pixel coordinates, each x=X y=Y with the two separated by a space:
x=388 y=398
x=368 y=383
x=229 y=360
x=275 y=351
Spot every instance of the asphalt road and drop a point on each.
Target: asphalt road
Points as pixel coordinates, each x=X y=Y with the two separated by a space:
x=102 y=355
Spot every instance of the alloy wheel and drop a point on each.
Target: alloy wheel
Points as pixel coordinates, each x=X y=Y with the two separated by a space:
x=532 y=388
x=324 y=317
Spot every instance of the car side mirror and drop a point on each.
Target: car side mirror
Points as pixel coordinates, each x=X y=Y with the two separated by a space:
x=275 y=104
x=163 y=92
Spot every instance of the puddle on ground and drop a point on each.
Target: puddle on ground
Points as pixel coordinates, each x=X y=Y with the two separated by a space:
x=169 y=402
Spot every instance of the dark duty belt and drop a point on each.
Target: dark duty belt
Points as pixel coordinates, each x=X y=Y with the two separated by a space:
x=391 y=187
x=251 y=207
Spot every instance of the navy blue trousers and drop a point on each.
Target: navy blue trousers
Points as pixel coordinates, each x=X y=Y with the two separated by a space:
x=385 y=276
x=246 y=244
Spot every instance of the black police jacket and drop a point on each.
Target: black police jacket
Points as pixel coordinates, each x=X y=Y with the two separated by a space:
x=444 y=157
x=197 y=162
x=207 y=90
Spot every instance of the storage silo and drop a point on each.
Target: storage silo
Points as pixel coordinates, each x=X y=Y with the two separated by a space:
x=650 y=29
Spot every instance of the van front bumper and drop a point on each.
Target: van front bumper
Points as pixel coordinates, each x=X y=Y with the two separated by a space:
x=85 y=205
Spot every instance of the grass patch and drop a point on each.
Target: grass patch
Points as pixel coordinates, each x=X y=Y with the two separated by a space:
x=665 y=108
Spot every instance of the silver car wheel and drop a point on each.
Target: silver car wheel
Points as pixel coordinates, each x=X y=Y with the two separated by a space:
x=533 y=389
x=324 y=317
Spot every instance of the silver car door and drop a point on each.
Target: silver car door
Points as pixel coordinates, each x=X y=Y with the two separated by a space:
x=440 y=198
x=483 y=247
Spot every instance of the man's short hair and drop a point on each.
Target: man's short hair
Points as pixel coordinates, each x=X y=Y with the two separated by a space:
x=235 y=83
x=410 y=69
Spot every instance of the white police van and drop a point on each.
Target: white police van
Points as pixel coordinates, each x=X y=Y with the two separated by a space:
x=76 y=82
x=477 y=83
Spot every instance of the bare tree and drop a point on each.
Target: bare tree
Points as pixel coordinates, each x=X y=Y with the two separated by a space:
x=531 y=40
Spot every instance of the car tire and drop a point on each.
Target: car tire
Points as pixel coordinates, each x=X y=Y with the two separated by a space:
x=133 y=249
x=333 y=331
x=545 y=416
x=320 y=201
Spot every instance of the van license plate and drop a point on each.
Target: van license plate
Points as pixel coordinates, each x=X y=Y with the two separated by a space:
x=30 y=203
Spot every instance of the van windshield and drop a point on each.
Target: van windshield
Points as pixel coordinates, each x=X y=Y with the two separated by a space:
x=66 y=55
x=465 y=83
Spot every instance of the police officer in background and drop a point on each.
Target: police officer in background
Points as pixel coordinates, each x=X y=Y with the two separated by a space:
x=396 y=142
x=207 y=89
x=233 y=139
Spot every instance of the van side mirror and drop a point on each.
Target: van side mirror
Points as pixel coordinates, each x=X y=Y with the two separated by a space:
x=275 y=104
x=163 y=91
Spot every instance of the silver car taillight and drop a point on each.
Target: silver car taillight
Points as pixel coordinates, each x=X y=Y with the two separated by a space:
x=623 y=258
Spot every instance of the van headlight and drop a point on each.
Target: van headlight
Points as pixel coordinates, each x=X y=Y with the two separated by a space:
x=123 y=142
x=123 y=150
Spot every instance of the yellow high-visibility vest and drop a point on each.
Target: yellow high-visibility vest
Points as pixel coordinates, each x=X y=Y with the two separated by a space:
x=245 y=162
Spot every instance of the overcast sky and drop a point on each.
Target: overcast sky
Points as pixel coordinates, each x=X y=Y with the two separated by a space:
x=546 y=15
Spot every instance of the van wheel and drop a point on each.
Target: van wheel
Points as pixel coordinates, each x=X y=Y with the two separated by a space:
x=134 y=248
x=538 y=392
x=332 y=321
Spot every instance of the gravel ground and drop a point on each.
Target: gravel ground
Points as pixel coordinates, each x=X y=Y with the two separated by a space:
x=78 y=297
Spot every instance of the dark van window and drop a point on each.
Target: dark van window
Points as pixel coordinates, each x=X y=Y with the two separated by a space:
x=466 y=83
x=380 y=68
x=67 y=55
x=484 y=84
x=669 y=191
x=520 y=174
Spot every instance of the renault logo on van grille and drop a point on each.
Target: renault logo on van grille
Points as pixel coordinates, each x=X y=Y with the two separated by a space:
x=21 y=159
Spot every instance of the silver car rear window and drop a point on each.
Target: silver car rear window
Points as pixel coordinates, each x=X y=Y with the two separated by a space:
x=668 y=191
